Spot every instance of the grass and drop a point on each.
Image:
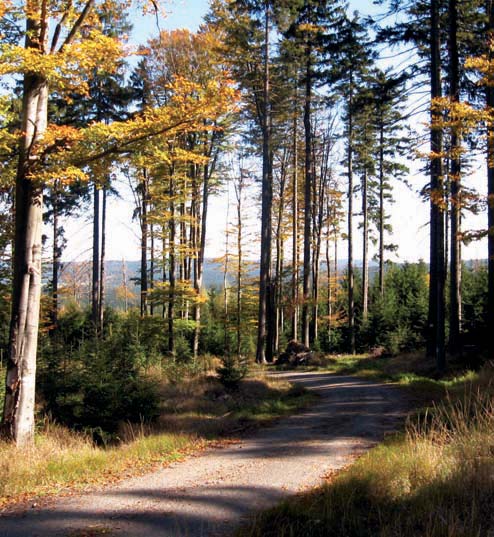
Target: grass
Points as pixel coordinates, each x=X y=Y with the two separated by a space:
x=62 y=460
x=410 y=370
x=435 y=480
x=195 y=412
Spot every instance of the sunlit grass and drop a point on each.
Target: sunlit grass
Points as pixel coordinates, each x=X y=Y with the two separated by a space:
x=435 y=480
x=61 y=459
x=410 y=370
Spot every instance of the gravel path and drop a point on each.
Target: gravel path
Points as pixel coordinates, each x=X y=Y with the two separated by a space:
x=208 y=495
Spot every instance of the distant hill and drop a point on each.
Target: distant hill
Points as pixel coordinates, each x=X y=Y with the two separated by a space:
x=75 y=278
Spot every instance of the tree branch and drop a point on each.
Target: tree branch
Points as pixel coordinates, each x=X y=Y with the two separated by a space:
x=78 y=23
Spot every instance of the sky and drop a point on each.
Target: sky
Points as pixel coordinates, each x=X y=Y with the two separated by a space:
x=409 y=215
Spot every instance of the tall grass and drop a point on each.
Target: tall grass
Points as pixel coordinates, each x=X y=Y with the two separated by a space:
x=435 y=480
x=61 y=458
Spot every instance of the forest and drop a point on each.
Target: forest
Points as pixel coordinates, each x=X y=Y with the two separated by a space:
x=312 y=122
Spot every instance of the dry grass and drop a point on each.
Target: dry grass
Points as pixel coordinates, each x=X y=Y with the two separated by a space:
x=203 y=406
x=413 y=371
x=63 y=459
x=195 y=411
x=436 y=480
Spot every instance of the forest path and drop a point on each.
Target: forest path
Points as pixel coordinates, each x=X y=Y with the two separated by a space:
x=208 y=495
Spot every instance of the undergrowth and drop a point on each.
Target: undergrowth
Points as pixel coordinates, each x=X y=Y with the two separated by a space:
x=435 y=480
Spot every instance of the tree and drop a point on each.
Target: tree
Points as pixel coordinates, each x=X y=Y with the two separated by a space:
x=437 y=265
x=246 y=27
x=490 y=186
x=63 y=59
x=353 y=61
x=194 y=56
x=54 y=57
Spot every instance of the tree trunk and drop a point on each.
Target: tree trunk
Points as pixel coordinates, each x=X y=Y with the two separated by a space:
x=263 y=351
x=95 y=288
x=490 y=193
x=144 y=244
x=18 y=412
x=240 y=261
x=437 y=277
x=455 y=185
x=295 y=233
x=328 y=284
x=225 y=279
x=351 y=312
x=101 y=306
x=55 y=261
x=199 y=270
x=171 y=257
x=151 y=267
x=279 y=257
x=365 y=247
x=307 y=199
x=381 y=205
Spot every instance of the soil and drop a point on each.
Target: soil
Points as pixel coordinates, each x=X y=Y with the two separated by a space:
x=210 y=494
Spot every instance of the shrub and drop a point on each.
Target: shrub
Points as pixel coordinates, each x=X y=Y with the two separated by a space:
x=232 y=371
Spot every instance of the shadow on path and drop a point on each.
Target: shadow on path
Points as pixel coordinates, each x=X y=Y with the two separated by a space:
x=209 y=494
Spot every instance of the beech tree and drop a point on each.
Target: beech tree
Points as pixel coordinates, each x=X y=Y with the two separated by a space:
x=47 y=59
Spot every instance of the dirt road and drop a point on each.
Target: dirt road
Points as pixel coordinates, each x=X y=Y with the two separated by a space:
x=208 y=495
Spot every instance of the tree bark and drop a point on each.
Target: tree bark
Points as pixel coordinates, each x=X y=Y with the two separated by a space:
x=328 y=279
x=151 y=267
x=295 y=258
x=365 y=247
x=239 y=193
x=490 y=193
x=171 y=258
x=350 y=282
x=55 y=261
x=144 y=243
x=263 y=351
x=279 y=256
x=18 y=412
x=455 y=185
x=437 y=253
x=101 y=305
x=306 y=285
x=381 y=205
x=95 y=287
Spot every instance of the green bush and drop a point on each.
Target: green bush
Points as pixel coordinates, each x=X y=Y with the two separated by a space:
x=94 y=384
x=232 y=371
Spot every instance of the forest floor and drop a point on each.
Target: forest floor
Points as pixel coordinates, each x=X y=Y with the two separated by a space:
x=211 y=493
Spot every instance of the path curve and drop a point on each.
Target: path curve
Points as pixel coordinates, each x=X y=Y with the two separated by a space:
x=208 y=495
